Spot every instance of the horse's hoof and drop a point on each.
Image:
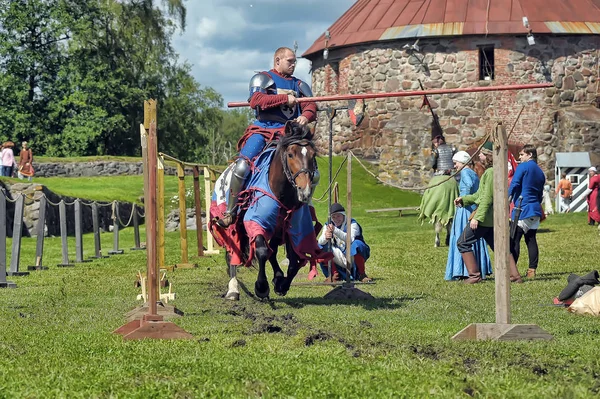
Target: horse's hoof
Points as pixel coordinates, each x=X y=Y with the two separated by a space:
x=232 y=296
x=261 y=293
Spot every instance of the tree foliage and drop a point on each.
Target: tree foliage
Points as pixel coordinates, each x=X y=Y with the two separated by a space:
x=74 y=75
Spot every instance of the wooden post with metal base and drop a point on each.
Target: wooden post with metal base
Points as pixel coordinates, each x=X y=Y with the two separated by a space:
x=348 y=290
x=184 y=264
x=209 y=181
x=502 y=330
x=198 y=205
x=151 y=325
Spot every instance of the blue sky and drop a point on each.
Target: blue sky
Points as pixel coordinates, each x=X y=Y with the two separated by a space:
x=226 y=41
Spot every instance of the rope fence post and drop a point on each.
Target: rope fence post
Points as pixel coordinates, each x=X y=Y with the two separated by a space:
x=198 y=204
x=115 y=218
x=209 y=180
x=3 y=282
x=39 y=246
x=16 y=239
x=62 y=213
x=96 y=228
x=136 y=229
x=79 y=233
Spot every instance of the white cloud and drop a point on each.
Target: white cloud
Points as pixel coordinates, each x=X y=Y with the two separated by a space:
x=226 y=41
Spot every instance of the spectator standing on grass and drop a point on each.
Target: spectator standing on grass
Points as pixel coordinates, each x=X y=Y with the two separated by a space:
x=25 y=162
x=481 y=224
x=469 y=183
x=592 y=197
x=527 y=190
x=8 y=159
x=565 y=188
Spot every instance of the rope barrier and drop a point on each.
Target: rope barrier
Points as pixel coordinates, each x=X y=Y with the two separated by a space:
x=422 y=188
x=121 y=221
x=321 y=198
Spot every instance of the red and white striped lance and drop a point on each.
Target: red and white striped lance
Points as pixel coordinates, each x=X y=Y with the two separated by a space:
x=365 y=96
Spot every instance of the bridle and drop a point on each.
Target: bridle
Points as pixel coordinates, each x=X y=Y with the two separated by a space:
x=286 y=168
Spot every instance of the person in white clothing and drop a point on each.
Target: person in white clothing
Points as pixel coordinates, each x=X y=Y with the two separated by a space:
x=335 y=232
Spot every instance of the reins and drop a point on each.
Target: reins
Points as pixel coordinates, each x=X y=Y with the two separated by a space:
x=286 y=168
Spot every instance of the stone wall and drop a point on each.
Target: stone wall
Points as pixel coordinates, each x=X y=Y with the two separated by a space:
x=95 y=168
x=33 y=192
x=396 y=132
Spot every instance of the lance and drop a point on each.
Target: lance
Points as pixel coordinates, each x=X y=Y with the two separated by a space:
x=366 y=96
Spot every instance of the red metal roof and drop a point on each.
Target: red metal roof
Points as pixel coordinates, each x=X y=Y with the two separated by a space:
x=374 y=20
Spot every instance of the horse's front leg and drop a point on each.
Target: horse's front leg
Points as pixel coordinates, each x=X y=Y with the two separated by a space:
x=292 y=271
x=278 y=276
x=261 y=287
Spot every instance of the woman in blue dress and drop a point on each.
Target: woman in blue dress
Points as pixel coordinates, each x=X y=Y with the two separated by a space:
x=469 y=183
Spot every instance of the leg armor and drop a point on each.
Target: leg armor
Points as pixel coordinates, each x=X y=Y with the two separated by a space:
x=240 y=173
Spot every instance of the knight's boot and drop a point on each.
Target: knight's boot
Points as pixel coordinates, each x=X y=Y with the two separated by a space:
x=239 y=174
x=360 y=269
x=472 y=268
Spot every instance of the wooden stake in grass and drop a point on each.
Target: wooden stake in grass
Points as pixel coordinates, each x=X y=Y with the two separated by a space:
x=502 y=330
x=152 y=324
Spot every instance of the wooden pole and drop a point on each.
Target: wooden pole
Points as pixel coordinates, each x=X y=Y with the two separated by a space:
x=151 y=325
x=366 y=96
x=151 y=222
x=349 y=217
x=198 y=204
x=160 y=199
x=182 y=213
x=150 y=204
x=209 y=181
x=501 y=229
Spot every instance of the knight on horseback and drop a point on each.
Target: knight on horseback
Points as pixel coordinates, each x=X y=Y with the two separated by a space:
x=274 y=97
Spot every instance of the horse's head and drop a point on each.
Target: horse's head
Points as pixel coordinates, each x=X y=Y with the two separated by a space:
x=298 y=158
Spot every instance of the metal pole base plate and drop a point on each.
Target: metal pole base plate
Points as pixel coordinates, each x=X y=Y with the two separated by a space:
x=66 y=265
x=35 y=268
x=502 y=332
x=154 y=329
x=8 y=284
x=138 y=249
x=346 y=292
x=84 y=261
x=17 y=273
x=117 y=252
x=166 y=311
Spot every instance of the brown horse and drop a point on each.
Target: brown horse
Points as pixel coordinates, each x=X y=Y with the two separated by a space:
x=290 y=177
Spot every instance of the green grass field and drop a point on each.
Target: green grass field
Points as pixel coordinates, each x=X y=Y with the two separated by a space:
x=57 y=325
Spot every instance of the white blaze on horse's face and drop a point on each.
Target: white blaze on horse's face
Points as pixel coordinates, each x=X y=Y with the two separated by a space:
x=301 y=164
